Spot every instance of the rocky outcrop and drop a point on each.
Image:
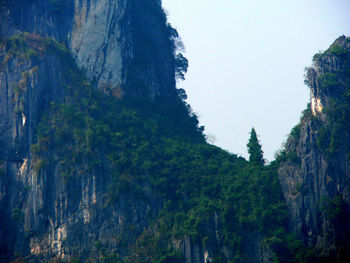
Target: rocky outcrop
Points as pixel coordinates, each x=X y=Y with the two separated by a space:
x=43 y=216
x=97 y=42
x=304 y=182
x=126 y=49
x=315 y=177
x=46 y=216
x=46 y=18
x=253 y=248
x=116 y=42
x=29 y=82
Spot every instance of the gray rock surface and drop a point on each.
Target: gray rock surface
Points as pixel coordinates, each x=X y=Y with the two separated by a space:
x=313 y=178
x=108 y=39
x=26 y=89
x=96 y=40
x=42 y=216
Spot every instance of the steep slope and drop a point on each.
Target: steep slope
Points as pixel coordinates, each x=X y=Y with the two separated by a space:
x=101 y=160
x=315 y=173
x=116 y=42
x=97 y=178
x=39 y=209
x=50 y=113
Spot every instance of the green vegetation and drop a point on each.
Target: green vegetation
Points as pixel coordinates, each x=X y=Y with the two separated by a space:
x=17 y=214
x=329 y=80
x=205 y=194
x=139 y=144
x=103 y=256
x=338 y=51
x=295 y=133
x=330 y=138
x=335 y=50
x=2 y=169
x=332 y=207
x=317 y=56
x=31 y=47
x=333 y=141
x=284 y=156
x=143 y=145
x=147 y=63
x=337 y=83
x=181 y=65
x=3 y=3
x=59 y=6
x=254 y=149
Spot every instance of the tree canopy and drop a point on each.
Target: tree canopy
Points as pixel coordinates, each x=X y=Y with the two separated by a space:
x=254 y=149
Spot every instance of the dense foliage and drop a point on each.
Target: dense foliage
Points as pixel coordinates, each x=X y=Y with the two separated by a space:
x=150 y=33
x=196 y=180
x=329 y=80
x=150 y=146
x=337 y=83
x=136 y=143
x=254 y=149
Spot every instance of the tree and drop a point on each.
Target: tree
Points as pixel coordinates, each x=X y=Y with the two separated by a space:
x=254 y=149
x=181 y=66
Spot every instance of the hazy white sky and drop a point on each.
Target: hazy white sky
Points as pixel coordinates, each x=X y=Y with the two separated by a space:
x=247 y=60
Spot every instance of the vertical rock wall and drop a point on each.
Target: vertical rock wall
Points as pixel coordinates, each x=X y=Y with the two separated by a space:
x=42 y=215
x=316 y=180
x=125 y=47
x=96 y=40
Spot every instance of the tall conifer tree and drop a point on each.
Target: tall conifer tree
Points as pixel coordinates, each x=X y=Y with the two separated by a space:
x=254 y=149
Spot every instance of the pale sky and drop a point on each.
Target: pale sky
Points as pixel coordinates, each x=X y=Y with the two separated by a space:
x=247 y=61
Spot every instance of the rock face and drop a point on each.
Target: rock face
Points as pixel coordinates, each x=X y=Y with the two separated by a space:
x=315 y=178
x=26 y=88
x=126 y=49
x=254 y=251
x=96 y=40
x=43 y=217
x=114 y=41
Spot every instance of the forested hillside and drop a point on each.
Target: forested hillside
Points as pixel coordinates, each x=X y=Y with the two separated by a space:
x=103 y=160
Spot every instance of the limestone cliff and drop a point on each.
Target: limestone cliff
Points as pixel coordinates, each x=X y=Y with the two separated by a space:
x=43 y=45
x=102 y=161
x=43 y=217
x=114 y=41
x=85 y=177
x=315 y=174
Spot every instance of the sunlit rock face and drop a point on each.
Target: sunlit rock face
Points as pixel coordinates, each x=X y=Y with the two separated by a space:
x=42 y=217
x=125 y=48
x=120 y=44
x=96 y=40
x=316 y=105
x=324 y=66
